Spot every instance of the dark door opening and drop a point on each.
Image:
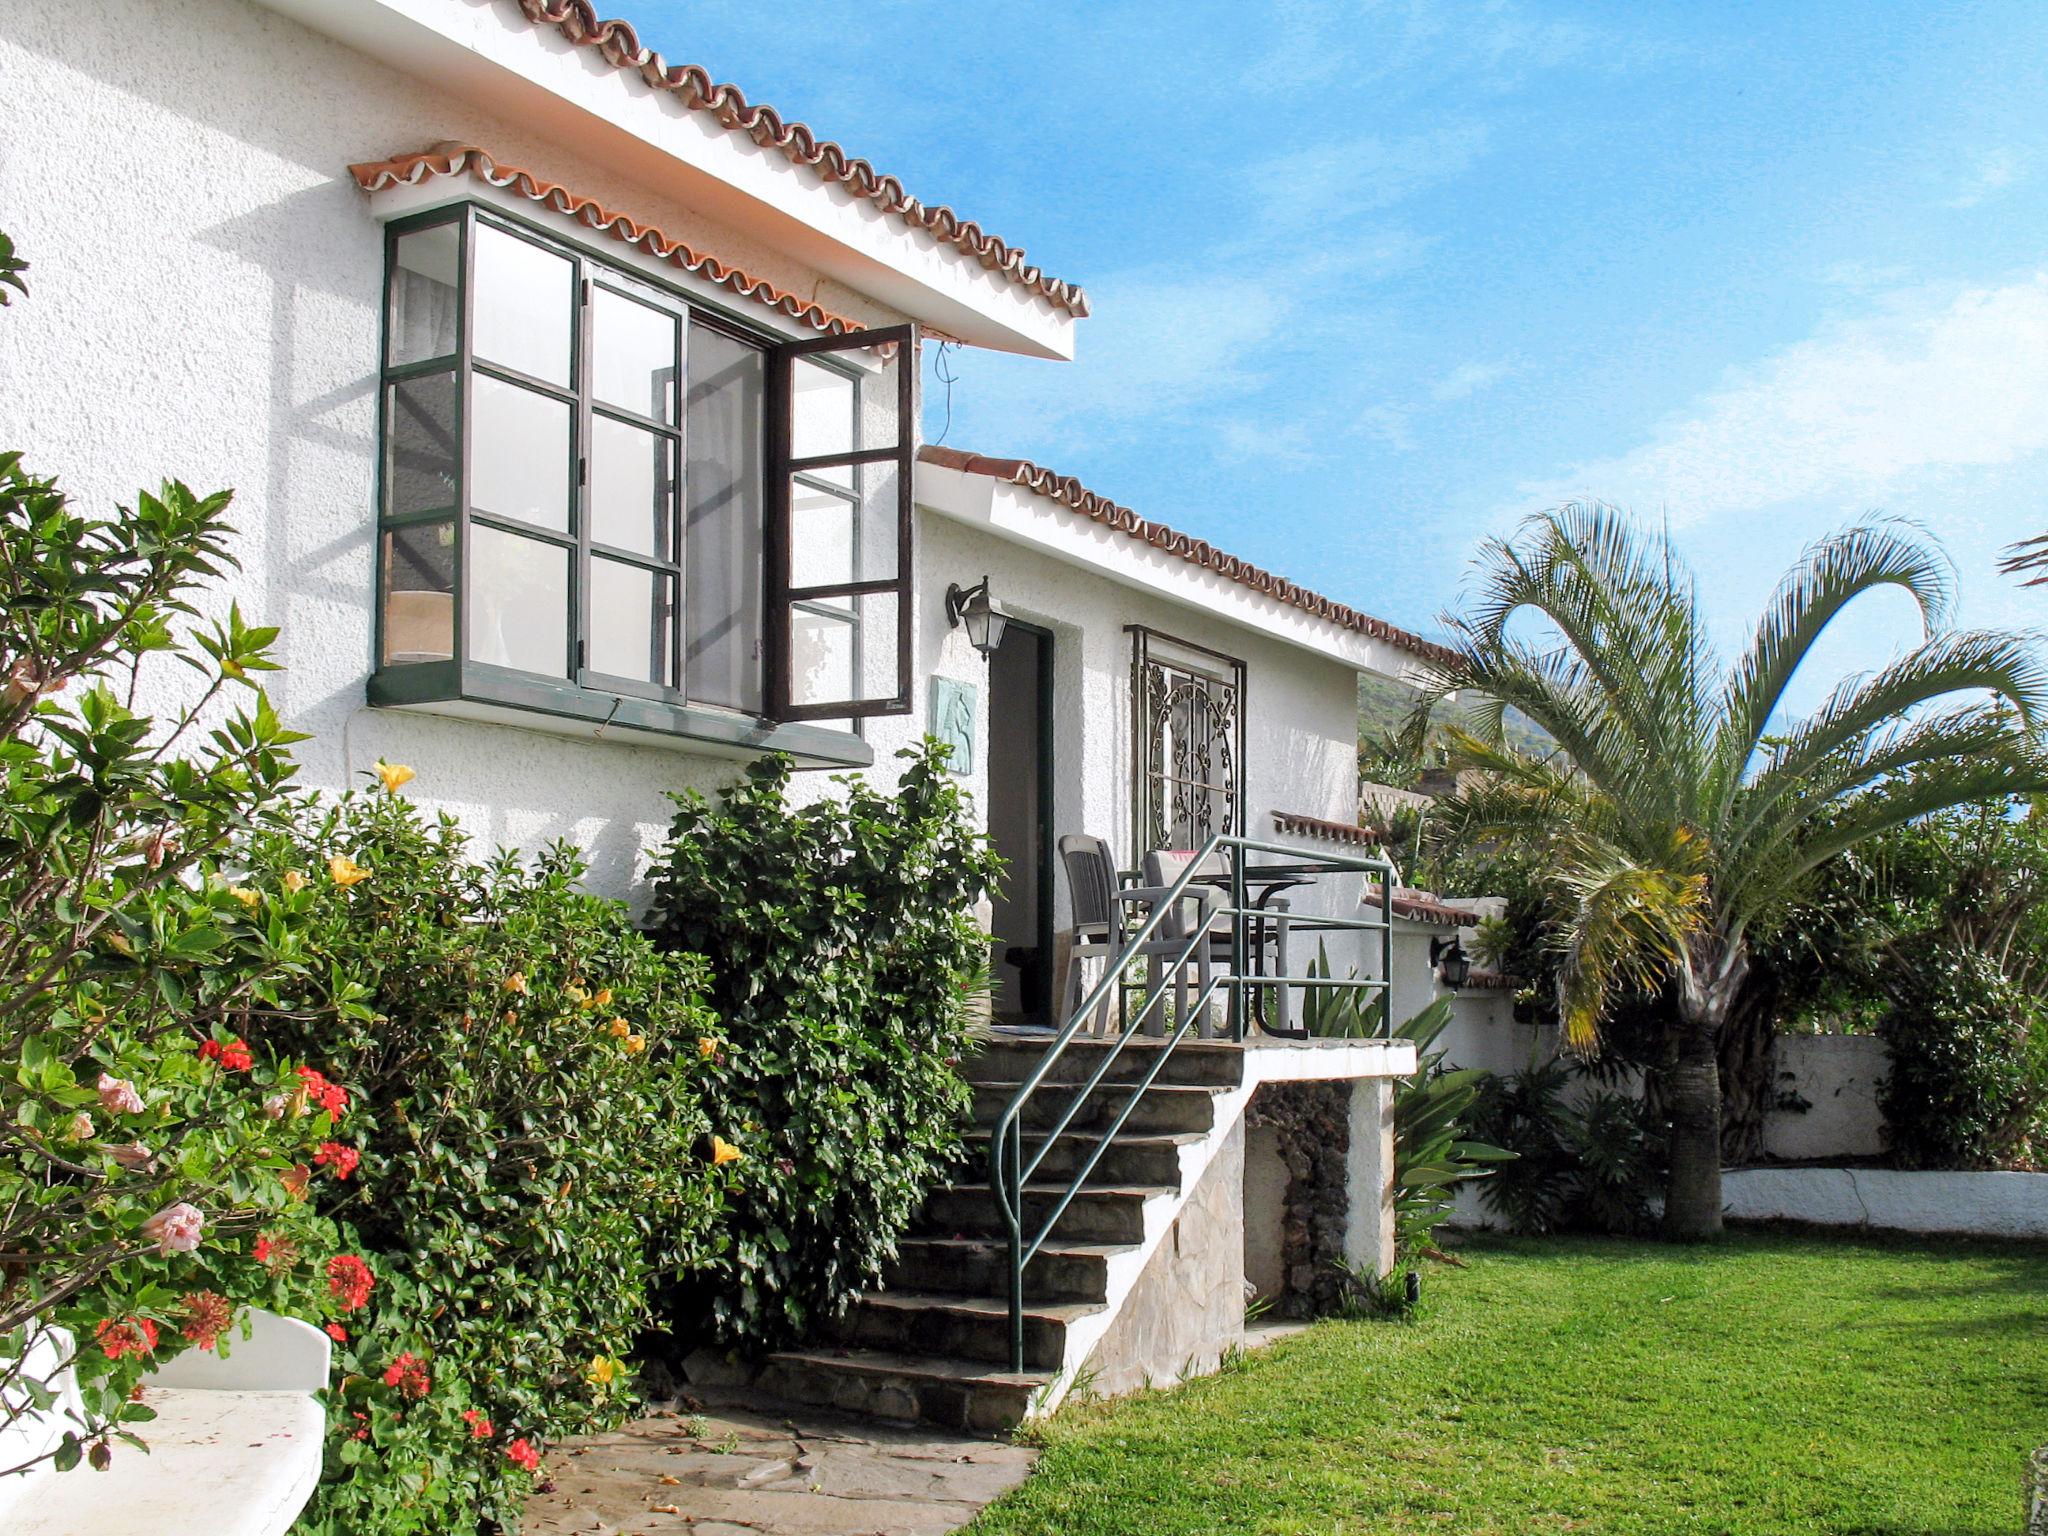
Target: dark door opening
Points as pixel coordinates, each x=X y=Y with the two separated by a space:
x=1020 y=822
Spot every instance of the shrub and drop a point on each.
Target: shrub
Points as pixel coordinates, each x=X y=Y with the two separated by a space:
x=842 y=956
x=1587 y=1164
x=1433 y=1151
x=1968 y=1086
x=534 y=1148
x=140 y=1168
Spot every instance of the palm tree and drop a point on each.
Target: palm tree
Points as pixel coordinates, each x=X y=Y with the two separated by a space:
x=1678 y=814
x=2028 y=558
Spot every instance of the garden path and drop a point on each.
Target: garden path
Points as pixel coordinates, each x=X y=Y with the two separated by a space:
x=734 y=1472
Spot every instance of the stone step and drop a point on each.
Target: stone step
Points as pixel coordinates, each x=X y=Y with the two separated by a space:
x=970 y=1395
x=1160 y=1111
x=960 y=1327
x=980 y=1266
x=1009 y=1058
x=1114 y=1214
x=1129 y=1159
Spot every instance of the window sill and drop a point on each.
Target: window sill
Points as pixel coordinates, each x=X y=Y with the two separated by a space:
x=476 y=692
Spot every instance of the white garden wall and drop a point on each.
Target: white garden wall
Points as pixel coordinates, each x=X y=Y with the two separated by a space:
x=1838 y=1077
x=1978 y=1204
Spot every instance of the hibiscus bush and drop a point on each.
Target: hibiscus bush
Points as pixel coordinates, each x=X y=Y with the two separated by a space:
x=844 y=963
x=533 y=1145
x=156 y=1145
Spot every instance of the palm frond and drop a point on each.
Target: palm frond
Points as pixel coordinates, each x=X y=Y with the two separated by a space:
x=2007 y=666
x=1626 y=927
x=2027 y=555
x=1936 y=787
x=1833 y=573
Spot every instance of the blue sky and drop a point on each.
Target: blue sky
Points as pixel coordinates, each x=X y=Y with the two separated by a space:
x=1371 y=281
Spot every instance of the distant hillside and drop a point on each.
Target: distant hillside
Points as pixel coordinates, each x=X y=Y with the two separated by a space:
x=1385 y=705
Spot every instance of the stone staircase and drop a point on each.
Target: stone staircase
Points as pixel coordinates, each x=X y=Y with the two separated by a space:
x=933 y=1344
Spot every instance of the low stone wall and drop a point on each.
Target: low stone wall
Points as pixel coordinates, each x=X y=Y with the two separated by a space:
x=1976 y=1204
x=1296 y=1195
x=1187 y=1310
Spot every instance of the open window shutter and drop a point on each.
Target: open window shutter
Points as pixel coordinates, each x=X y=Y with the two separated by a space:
x=845 y=430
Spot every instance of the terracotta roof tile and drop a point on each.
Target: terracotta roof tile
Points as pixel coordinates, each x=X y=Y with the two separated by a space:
x=1425 y=909
x=457 y=159
x=1293 y=822
x=619 y=45
x=1070 y=492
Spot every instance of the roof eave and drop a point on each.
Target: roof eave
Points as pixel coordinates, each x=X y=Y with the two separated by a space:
x=1024 y=516
x=489 y=55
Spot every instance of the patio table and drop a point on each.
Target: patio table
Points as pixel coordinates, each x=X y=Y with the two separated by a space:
x=1267 y=881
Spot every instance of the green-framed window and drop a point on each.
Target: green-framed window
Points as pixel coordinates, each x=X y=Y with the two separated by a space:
x=600 y=499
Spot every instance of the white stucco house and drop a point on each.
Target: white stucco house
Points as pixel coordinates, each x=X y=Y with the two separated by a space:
x=570 y=404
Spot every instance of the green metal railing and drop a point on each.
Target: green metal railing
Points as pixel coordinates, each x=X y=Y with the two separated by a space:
x=1010 y=1173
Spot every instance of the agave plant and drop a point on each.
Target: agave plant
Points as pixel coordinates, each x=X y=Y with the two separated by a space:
x=1432 y=1154
x=1681 y=811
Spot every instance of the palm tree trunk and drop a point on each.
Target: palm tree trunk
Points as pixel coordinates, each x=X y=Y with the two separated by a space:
x=1692 y=1201
x=1709 y=981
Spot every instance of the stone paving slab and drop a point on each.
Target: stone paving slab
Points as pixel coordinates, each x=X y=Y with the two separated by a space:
x=737 y=1472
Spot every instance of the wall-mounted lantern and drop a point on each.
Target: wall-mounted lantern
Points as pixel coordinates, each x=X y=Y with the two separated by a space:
x=973 y=607
x=1451 y=961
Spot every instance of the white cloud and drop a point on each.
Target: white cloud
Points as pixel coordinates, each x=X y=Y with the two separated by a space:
x=1257 y=440
x=1994 y=171
x=1321 y=182
x=1464 y=382
x=1928 y=382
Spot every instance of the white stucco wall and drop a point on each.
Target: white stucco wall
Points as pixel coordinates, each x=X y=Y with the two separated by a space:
x=1838 y=1077
x=1299 y=708
x=204 y=305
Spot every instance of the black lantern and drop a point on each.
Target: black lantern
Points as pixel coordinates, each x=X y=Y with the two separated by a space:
x=1451 y=961
x=973 y=607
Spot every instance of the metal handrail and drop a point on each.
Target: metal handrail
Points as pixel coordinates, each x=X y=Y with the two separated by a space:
x=1009 y=1173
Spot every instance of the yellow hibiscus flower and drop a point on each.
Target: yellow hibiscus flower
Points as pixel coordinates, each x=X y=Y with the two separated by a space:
x=345 y=871
x=723 y=1152
x=393 y=776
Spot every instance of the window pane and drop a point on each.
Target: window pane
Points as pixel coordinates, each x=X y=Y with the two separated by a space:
x=839 y=537
x=845 y=650
x=821 y=413
x=632 y=621
x=525 y=297
x=421 y=446
x=633 y=355
x=725 y=486
x=518 y=602
x=821 y=654
x=419 y=593
x=821 y=536
x=632 y=488
x=519 y=454
x=425 y=293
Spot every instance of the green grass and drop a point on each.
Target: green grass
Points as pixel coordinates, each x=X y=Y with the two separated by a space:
x=1768 y=1384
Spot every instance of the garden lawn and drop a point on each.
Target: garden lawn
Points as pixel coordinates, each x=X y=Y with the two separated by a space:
x=1765 y=1384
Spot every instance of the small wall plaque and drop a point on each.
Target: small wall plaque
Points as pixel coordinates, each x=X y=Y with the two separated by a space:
x=952 y=721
